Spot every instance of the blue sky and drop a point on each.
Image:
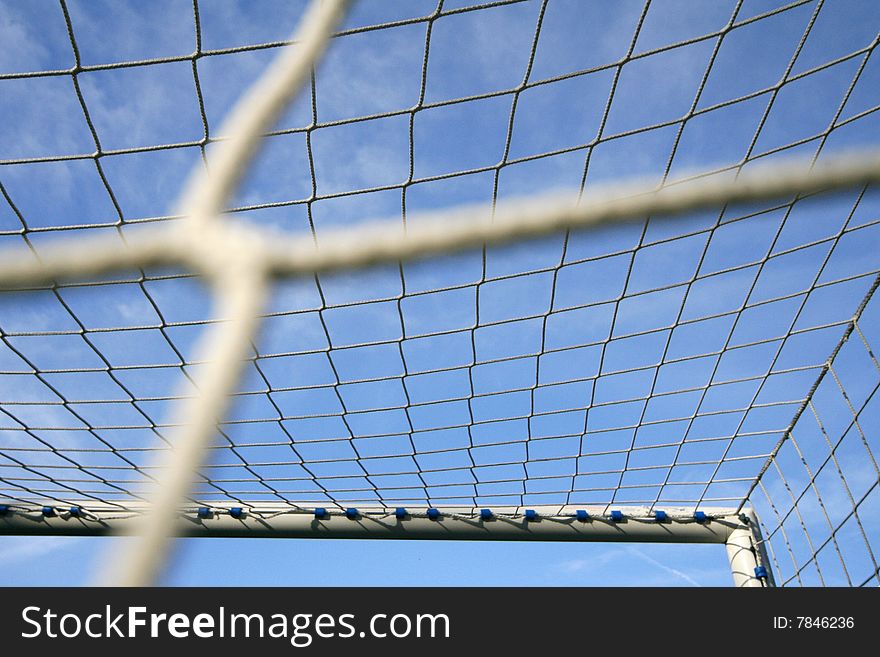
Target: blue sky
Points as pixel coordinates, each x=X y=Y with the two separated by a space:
x=652 y=364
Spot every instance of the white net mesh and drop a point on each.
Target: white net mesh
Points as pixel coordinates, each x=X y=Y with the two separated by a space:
x=721 y=358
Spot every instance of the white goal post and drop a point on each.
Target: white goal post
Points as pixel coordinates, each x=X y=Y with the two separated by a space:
x=738 y=532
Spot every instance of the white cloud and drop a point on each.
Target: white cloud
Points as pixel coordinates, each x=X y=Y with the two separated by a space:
x=24 y=548
x=672 y=571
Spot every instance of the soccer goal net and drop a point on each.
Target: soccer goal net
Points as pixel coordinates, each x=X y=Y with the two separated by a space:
x=512 y=270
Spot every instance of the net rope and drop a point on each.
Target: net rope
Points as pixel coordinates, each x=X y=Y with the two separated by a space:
x=502 y=406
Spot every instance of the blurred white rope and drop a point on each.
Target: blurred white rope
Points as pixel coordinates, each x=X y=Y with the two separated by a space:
x=238 y=275
x=441 y=232
x=449 y=231
x=207 y=193
x=225 y=348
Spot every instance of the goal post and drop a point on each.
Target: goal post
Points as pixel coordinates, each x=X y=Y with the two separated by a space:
x=739 y=533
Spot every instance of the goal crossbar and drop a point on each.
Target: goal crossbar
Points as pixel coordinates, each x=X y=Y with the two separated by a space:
x=739 y=532
x=636 y=525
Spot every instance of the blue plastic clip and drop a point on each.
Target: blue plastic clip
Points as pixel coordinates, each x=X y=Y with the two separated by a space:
x=48 y=511
x=320 y=513
x=236 y=512
x=4 y=509
x=351 y=513
x=660 y=516
x=400 y=513
x=700 y=516
x=486 y=514
x=617 y=516
x=75 y=511
x=582 y=515
x=531 y=515
x=204 y=512
x=760 y=572
x=434 y=514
